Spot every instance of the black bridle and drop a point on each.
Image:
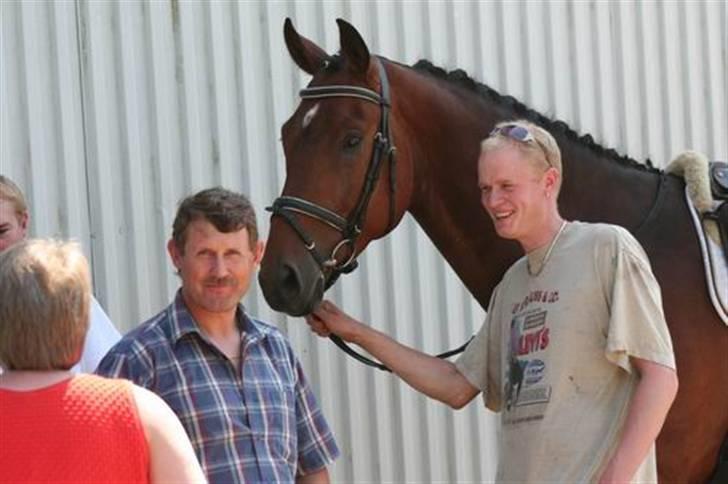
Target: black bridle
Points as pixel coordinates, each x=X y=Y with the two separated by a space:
x=350 y=227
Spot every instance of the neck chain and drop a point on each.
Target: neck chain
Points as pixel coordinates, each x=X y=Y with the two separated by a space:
x=548 y=253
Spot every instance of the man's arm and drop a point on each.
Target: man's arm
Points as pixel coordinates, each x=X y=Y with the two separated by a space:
x=435 y=377
x=648 y=408
x=318 y=477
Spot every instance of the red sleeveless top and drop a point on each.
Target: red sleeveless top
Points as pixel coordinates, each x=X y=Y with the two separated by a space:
x=84 y=429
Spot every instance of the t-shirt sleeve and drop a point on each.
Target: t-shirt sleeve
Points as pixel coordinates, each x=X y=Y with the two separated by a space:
x=637 y=326
x=479 y=363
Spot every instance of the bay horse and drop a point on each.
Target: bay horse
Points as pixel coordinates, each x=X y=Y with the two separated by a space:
x=346 y=186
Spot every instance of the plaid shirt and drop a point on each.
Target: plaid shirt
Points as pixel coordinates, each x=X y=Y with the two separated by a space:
x=258 y=422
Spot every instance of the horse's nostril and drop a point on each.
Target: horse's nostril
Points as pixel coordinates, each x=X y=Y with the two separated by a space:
x=290 y=282
x=286 y=289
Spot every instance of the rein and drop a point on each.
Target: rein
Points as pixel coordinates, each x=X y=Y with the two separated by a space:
x=350 y=227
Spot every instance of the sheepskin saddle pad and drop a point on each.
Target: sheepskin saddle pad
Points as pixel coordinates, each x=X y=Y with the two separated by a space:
x=706 y=192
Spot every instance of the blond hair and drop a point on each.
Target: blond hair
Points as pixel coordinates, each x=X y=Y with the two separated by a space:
x=544 y=152
x=45 y=290
x=10 y=192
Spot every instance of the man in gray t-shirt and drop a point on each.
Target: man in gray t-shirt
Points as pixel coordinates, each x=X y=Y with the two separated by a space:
x=575 y=352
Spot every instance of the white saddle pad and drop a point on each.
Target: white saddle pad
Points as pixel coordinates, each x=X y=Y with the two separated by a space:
x=716 y=265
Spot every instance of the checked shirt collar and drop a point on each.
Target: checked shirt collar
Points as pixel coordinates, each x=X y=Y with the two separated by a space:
x=183 y=324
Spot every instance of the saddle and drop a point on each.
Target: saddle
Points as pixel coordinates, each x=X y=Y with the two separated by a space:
x=706 y=194
x=719 y=180
x=719 y=189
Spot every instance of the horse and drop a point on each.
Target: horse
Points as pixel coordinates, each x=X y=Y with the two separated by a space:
x=372 y=139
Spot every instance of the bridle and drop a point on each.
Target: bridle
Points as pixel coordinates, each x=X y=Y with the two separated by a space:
x=350 y=227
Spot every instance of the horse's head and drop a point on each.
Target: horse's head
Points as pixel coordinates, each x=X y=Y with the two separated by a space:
x=339 y=192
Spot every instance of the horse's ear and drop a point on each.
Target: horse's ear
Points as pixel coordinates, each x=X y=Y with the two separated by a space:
x=353 y=48
x=307 y=55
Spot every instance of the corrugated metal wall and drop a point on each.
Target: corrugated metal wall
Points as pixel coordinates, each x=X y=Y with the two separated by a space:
x=111 y=112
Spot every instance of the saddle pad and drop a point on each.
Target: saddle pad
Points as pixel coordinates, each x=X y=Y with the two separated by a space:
x=716 y=265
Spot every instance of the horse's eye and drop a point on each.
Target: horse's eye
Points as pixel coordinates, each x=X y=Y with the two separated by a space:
x=352 y=141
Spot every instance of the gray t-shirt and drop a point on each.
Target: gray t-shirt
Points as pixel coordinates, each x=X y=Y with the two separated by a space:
x=553 y=354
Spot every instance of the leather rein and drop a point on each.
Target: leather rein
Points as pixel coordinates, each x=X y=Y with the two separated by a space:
x=350 y=227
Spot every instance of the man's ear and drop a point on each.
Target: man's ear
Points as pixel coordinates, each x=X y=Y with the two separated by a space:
x=552 y=178
x=259 y=251
x=23 y=222
x=174 y=253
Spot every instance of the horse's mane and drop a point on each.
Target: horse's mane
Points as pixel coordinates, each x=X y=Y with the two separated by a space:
x=460 y=78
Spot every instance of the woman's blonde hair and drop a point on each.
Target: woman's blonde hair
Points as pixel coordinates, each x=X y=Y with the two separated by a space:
x=45 y=292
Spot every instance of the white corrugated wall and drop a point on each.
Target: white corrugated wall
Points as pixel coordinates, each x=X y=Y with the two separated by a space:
x=110 y=112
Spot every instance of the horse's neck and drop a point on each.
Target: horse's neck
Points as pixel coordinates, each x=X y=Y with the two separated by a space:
x=445 y=199
x=598 y=188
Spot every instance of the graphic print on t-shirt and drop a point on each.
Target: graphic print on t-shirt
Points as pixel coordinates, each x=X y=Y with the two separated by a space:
x=526 y=382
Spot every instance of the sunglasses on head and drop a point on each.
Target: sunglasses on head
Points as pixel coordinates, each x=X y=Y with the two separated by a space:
x=520 y=134
x=514 y=131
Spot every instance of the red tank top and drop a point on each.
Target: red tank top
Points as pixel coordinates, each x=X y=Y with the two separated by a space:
x=84 y=429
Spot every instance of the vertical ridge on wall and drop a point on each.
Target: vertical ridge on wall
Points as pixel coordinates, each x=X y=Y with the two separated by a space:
x=69 y=136
x=649 y=75
x=167 y=142
x=134 y=143
x=97 y=84
x=715 y=18
x=36 y=82
x=112 y=112
x=193 y=79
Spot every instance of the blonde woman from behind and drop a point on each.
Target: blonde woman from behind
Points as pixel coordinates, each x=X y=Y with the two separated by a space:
x=80 y=428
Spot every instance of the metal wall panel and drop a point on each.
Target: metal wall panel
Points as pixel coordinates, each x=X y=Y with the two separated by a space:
x=111 y=112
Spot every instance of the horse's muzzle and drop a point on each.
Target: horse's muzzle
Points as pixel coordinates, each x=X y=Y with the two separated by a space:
x=290 y=289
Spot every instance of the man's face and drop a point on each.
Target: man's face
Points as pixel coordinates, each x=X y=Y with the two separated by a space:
x=13 y=227
x=216 y=268
x=513 y=192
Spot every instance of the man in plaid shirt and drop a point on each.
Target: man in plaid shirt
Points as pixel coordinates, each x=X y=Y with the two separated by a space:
x=233 y=381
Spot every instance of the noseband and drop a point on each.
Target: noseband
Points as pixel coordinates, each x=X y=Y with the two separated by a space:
x=351 y=226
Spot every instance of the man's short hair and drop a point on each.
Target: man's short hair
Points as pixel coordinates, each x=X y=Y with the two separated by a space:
x=10 y=192
x=544 y=151
x=228 y=211
x=45 y=291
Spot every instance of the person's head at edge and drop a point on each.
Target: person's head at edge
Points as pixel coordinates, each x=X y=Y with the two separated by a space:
x=216 y=249
x=13 y=214
x=519 y=176
x=45 y=288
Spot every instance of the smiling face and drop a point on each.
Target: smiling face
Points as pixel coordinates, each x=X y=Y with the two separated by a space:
x=517 y=194
x=216 y=268
x=13 y=226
